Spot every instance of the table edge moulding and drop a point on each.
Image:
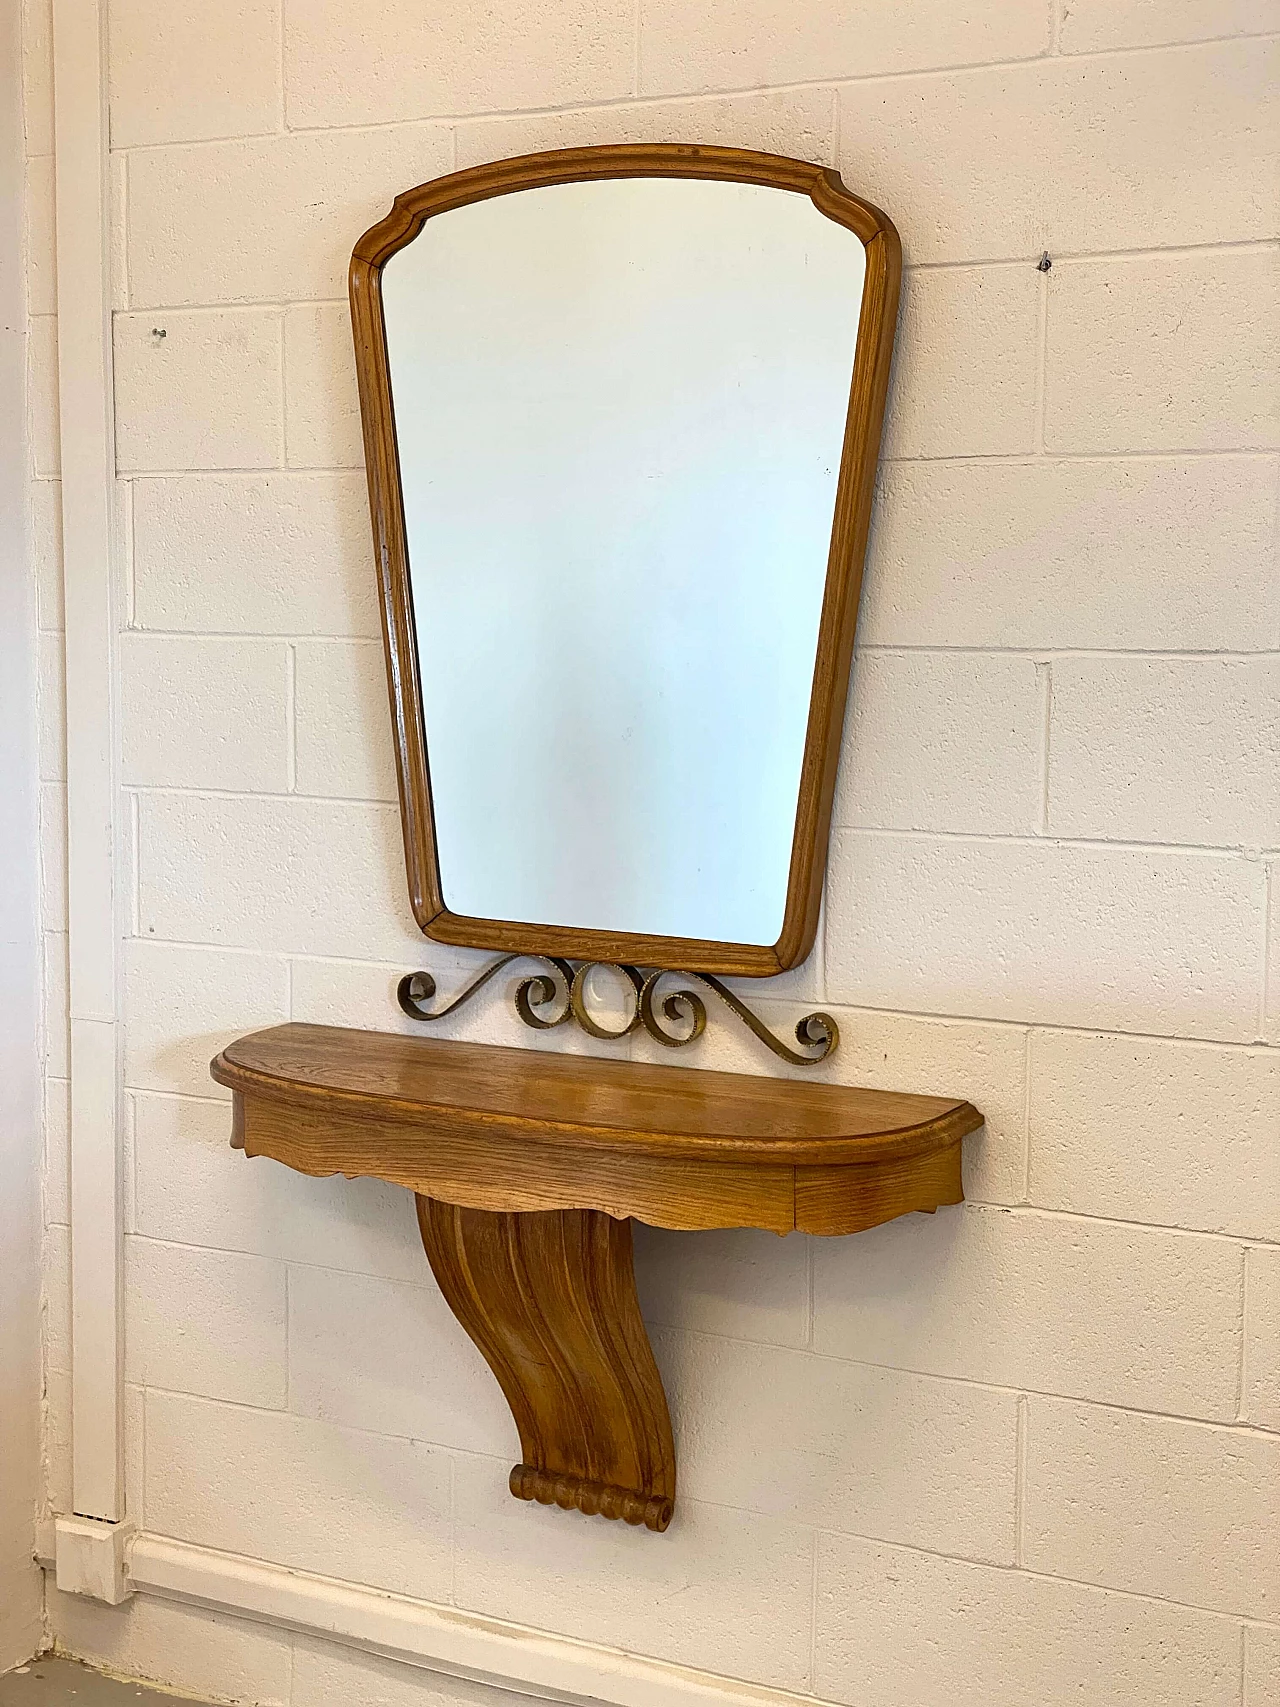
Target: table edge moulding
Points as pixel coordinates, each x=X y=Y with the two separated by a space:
x=528 y=1168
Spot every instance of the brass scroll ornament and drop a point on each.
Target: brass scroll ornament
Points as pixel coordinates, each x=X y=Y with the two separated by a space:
x=553 y=997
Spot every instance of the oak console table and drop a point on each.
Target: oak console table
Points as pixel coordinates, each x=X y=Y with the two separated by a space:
x=528 y=1168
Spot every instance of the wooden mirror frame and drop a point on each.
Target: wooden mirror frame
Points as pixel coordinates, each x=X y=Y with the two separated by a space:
x=852 y=515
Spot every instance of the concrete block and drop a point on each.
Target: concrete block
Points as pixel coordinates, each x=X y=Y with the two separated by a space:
x=188 y=71
x=1057 y=554
x=342 y=720
x=185 y=1004
x=205 y=713
x=1154 y=1130
x=1154 y=1505
x=943 y=741
x=798 y=122
x=206 y=395
x=1261 y=1665
x=731 y=45
x=227 y=1340
x=345 y=992
x=420 y=64
x=725 y=1591
x=355 y=1506
x=193 y=1188
x=388 y=1355
x=1260 y=1393
x=307 y=876
x=1070 y=155
x=1166 y=750
x=964 y=379
x=267 y=219
x=902 y=1628
x=276 y=554
x=1012 y=1298
x=321 y=403
x=737 y=1280
x=1164 y=352
x=1041 y=932
x=844 y=1446
x=1094 y=26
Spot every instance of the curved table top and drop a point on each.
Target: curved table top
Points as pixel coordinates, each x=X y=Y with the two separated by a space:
x=586 y=1102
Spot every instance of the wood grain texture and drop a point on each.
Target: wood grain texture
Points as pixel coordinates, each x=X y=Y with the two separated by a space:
x=851 y=520
x=850 y=1199
x=505 y=1173
x=524 y=1130
x=528 y=1168
x=585 y=1100
x=550 y=1301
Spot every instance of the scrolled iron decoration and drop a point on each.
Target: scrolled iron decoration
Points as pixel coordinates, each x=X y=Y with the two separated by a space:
x=541 y=991
x=817 y=1031
x=550 y=998
x=681 y=1006
x=583 y=1015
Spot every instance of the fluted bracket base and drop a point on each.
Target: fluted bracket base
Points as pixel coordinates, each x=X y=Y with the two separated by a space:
x=571 y=1493
x=549 y=1299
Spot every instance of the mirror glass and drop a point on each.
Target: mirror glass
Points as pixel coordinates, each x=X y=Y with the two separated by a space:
x=620 y=408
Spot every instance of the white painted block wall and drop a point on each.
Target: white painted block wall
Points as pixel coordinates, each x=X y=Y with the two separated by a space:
x=1026 y=1451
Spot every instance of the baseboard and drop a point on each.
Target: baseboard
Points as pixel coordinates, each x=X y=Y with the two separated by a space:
x=437 y=1638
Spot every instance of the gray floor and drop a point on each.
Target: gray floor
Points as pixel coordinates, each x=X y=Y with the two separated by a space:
x=59 y=1683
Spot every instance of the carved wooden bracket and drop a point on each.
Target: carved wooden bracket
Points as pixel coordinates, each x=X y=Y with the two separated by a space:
x=550 y=1299
x=527 y=1168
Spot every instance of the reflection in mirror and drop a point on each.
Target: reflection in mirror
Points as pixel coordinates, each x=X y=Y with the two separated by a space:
x=620 y=409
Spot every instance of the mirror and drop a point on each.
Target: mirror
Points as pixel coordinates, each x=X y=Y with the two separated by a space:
x=621 y=412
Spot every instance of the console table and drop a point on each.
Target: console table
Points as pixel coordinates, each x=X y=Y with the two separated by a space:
x=528 y=1168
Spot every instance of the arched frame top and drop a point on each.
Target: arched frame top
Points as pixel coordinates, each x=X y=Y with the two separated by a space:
x=852 y=515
